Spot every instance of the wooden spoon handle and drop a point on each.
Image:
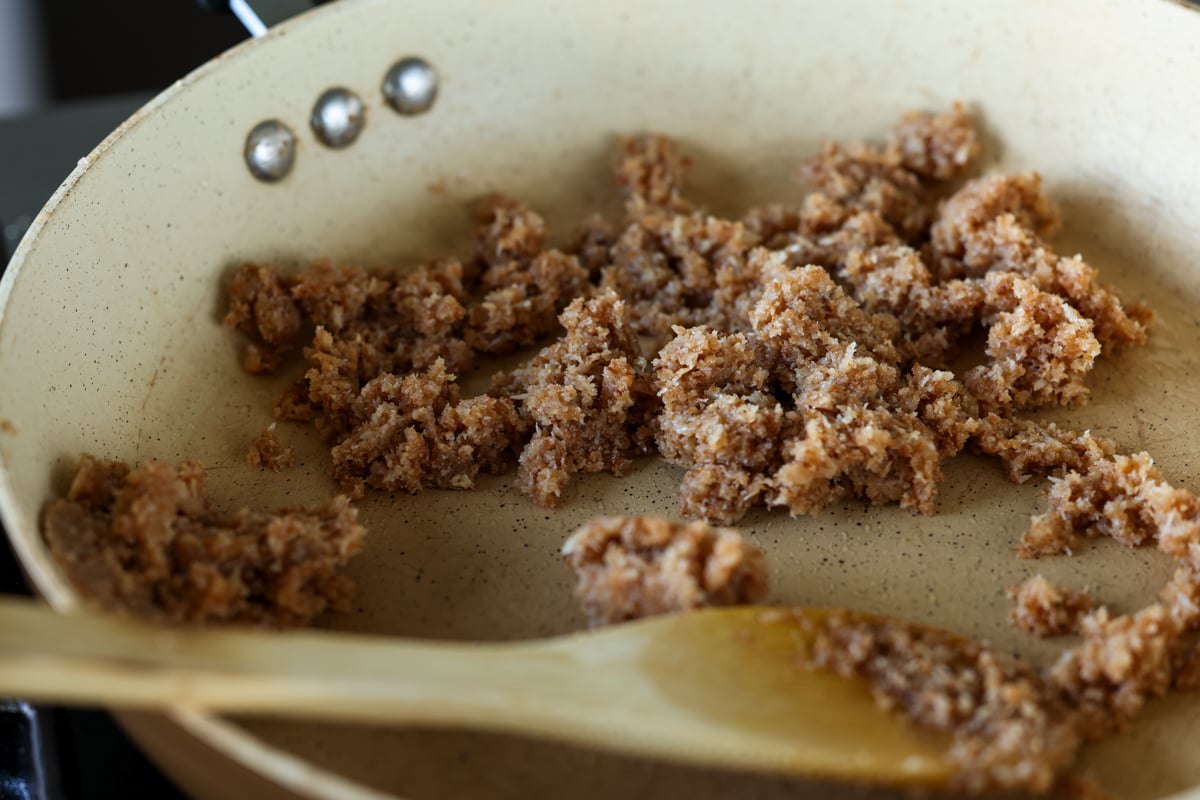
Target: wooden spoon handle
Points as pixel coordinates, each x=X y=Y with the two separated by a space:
x=586 y=689
x=714 y=688
x=112 y=661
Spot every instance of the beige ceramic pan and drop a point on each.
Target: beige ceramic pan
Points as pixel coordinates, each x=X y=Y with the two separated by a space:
x=110 y=339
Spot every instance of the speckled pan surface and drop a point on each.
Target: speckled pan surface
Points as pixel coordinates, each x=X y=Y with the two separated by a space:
x=110 y=338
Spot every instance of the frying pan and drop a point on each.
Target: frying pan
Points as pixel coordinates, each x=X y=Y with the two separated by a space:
x=111 y=342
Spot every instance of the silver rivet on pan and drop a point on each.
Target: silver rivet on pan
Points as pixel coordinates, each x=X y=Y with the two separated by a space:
x=411 y=85
x=270 y=150
x=338 y=117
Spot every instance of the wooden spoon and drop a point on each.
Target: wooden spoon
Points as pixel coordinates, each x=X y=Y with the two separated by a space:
x=717 y=687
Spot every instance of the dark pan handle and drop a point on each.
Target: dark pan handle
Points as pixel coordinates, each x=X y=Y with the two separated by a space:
x=243 y=10
x=222 y=6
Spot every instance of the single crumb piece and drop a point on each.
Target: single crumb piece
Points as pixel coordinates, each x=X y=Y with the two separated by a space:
x=803 y=314
x=591 y=243
x=634 y=567
x=337 y=296
x=942 y=404
x=897 y=184
x=586 y=397
x=807 y=407
x=1116 y=324
x=1040 y=347
x=1123 y=497
x=963 y=239
x=1044 y=610
x=268 y=452
x=523 y=301
x=415 y=431
x=508 y=232
x=936 y=146
x=838 y=363
x=146 y=541
x=997 y=224
x=857 y=177
x=877 y=453
x=685 y=269
x=1122 y=663
x=1010 y=729
x=1029 y=448
x=821 y=232
x=1181 y=596
x=524 y=284
x=261 y=306
x=720 y=420
x=893 y=279
x=651 y=170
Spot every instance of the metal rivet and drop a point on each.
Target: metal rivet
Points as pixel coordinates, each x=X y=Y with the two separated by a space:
x=338 y=117
x=270 y=150
x=411 y=85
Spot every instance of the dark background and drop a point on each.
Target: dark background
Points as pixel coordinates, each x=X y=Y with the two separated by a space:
x=98 y=48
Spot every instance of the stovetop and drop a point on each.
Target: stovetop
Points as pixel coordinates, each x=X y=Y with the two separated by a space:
x=47 y=752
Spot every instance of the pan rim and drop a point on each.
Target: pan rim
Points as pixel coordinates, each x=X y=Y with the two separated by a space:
x=228 y=738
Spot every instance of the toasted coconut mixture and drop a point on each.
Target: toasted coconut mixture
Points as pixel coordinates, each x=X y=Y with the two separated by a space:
x=633 y=567
x=790 y=357
x=839 y=318
x=269 y=452
x=1123 y=662
x=1011 y=729
x=586 y=397
x=415 y=430
x=1043 y=609
x=147 y=541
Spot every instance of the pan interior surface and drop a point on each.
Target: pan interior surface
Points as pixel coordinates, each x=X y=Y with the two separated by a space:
x=111 y=339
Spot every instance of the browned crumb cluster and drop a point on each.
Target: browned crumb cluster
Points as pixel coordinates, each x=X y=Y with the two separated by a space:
x=1126 y=660
x=269 y=452
x=413 y=431
x=147 y=541
x=633 y=567
x=1040 y=348
x=1010 y=728
x=524 y=285
x=262 y=307
x=997 y=224
x=1031 y=449
x=1122 y=663
x=1122 y=497
x=806 y=407
x=1043 y=609
x=587 y=398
